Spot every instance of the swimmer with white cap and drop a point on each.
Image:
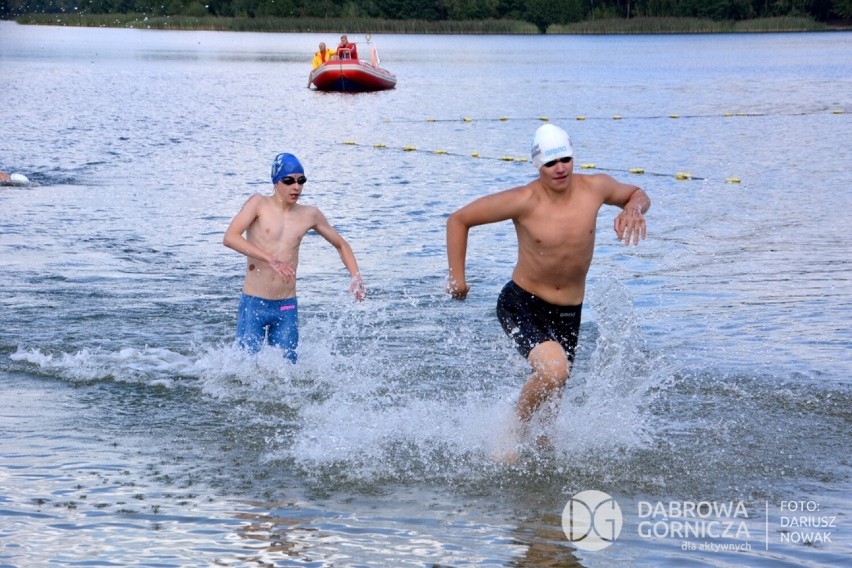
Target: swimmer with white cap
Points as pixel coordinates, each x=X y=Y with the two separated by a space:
x=268 y=231
x=551 y=143
x=555 y=219
x=13 y=179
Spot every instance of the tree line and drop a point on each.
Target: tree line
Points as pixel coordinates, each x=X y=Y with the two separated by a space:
x=541 y=13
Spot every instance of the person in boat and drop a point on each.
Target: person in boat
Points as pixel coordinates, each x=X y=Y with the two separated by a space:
x=322 y=56
x=539 y=308
x=346 y=50
x=274 y=226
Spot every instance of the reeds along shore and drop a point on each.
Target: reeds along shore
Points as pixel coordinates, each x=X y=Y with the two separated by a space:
x=364 y=25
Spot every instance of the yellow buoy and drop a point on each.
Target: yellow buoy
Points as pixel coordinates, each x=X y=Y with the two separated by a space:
x=409 y=148
x=581 y=117
x=379 y=145
x=588 y=166
x=440 y=151
x=430 y=119
x=837 y=111
x=617 y=117
x=504 y=118
x=683 y=175
x=507 y=158
x=349 y=142
x=543 y=118
x=674 y=116
x=474 y=154
x=520 y=159
x=732 y=180
x=728 y=114
x=636 y=171
x=468 y=119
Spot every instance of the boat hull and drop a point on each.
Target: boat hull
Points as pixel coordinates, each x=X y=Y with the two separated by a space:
x=351 y=76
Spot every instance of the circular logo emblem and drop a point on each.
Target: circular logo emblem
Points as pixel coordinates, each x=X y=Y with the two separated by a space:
x=591 y=520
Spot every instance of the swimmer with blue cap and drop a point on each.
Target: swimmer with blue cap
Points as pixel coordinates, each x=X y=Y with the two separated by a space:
x=284 y=165
x=268 y=231
x=555 y=217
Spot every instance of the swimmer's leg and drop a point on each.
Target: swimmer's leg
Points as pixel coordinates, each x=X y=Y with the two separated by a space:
x=550 y=373
x=284 y=334
x=250 y=329
x=542 y=394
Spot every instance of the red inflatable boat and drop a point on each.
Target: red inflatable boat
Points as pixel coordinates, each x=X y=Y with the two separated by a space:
x=352 y=75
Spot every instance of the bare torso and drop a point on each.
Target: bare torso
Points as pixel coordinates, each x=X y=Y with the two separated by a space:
x=279 y=232
x=556 y=238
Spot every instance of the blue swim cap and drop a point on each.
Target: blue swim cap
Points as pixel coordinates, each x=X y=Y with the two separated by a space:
x=284 y=165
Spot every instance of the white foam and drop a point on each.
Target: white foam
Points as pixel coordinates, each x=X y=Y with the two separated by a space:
x=366 y=415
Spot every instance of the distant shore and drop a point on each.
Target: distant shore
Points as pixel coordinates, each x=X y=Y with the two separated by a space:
x=483 y=27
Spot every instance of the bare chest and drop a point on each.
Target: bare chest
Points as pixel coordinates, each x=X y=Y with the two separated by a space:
x=557 y=230
x=273 y=226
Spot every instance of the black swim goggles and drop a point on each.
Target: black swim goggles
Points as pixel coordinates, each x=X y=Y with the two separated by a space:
x=290 y=180
x=551 y=163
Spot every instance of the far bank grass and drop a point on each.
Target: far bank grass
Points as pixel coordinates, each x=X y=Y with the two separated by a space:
x=282 y=25
x=362 y=26
x=689 y=26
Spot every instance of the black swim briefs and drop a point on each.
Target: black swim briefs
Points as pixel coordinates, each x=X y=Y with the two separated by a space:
x=529 y=320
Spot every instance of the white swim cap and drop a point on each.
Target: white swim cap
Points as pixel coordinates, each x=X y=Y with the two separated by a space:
x=19 y=179
x=550 y=143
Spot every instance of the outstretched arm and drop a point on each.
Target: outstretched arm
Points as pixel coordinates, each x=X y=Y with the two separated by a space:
x=324 y=228
x=457 y=230
x=489 y=209
x=235 y=240
x=629 y=225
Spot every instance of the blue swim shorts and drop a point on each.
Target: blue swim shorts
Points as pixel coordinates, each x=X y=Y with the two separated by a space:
x=276 y=321
x=530 y=321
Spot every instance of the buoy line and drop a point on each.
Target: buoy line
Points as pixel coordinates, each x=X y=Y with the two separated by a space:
x=582 y=117
x=680 y=176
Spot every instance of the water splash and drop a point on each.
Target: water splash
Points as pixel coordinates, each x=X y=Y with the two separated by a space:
x=152 y=366
x=432 y=408
x=365 y=431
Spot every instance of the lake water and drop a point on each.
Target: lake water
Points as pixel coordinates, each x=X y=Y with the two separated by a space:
x=711 y=397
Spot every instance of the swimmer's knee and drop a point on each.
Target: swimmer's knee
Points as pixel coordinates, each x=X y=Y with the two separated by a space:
x=550 y=362
x=553 y=381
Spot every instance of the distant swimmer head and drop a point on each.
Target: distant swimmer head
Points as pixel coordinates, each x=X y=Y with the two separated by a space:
x=284 y=165
x=550 y=143
x=14 y=179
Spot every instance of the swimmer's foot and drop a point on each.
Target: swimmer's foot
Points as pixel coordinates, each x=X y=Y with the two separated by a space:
x=509 y=449
x=543 y=443
x=506 y=455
